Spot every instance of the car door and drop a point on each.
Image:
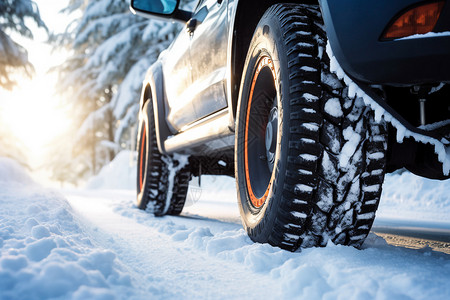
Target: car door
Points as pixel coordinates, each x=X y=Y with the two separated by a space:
x=177 y=80
x=209 y=42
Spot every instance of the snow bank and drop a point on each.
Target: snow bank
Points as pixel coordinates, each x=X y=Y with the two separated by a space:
x=12 y=172
x=119 y=174
x=44 y=253
x=410 y=197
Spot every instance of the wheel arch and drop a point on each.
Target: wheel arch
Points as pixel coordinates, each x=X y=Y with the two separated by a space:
x=153 y=88
x=242 y=26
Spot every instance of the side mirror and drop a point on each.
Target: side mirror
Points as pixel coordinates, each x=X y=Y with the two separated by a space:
x=160 y=9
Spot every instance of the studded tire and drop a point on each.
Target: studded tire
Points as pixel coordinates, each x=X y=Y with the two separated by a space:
x=310 y=160
x=162 y=180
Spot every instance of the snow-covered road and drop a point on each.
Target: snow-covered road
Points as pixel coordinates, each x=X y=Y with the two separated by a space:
x=198 y=257
x=415 y=235
x=95 y=244
x=154 y=252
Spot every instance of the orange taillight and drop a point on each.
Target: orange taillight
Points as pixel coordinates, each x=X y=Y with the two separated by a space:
x=419 y=20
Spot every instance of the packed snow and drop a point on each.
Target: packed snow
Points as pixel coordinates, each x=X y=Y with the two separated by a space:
x=333 y=108
x=95 y=244
x=426 y=35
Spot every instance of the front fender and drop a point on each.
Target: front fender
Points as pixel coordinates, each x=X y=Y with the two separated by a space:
x=153 y=89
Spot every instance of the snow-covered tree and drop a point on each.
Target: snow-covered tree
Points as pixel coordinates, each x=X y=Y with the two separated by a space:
x=13 y=57
x=111 y=50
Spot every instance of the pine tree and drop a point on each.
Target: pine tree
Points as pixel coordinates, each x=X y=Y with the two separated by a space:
x=13 y=57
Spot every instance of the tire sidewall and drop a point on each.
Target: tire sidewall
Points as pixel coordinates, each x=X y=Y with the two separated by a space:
x=266 y=41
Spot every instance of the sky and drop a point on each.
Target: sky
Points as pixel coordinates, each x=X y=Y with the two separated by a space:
x=32 y=110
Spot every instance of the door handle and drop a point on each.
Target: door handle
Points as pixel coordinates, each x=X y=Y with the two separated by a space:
x=196 y=20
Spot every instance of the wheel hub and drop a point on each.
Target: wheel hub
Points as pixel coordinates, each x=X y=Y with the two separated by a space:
x=271 y=137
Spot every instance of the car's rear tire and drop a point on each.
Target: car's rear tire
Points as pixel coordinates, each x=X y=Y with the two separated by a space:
x=310 y=161
x=162 y=180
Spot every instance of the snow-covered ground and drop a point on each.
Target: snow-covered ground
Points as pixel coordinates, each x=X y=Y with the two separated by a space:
x=95 y=244
x=45 y=253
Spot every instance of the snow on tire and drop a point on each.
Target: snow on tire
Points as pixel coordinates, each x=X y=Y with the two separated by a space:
x=162 y=180
x=309 y=160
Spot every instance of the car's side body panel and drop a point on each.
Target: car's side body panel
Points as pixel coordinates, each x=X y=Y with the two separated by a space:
x=177 y=67
x=209 y=56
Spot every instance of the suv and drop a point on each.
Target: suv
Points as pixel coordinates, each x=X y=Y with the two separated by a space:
x=307 y=104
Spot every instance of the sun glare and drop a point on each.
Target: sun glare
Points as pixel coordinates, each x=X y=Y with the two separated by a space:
x=34 y=114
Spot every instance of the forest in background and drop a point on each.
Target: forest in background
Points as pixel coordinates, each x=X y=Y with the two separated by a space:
x=109 y=50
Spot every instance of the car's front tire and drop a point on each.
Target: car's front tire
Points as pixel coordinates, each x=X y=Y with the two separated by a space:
x=309 y=160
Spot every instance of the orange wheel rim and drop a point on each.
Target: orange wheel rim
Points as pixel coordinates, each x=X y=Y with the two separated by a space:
x=141 y=159
x=257 y=202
